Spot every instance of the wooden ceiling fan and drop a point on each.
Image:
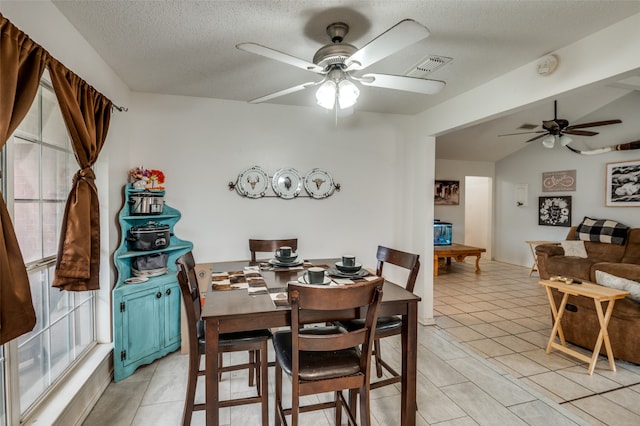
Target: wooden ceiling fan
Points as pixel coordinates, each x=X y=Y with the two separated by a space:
x=553 y=130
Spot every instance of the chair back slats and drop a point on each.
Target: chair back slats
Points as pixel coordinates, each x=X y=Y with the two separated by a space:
x=326 y=299
x=190 y=292
x=332 y=342
x=402 y=259
x=270 y=246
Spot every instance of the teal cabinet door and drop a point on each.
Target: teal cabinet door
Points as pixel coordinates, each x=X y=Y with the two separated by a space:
x=172 y=307
x=141 y=321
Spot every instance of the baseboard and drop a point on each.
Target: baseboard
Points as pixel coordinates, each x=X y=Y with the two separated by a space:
x=76 y=396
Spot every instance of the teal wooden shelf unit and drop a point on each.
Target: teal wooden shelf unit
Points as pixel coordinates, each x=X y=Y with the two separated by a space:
x=146 y=316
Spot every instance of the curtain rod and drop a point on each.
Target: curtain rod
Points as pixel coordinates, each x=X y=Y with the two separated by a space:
x=119 y=108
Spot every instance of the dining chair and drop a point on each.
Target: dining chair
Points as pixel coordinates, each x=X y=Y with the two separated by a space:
x=323 y=359
x=265 y=246
x=388 y=325
x=254 y=342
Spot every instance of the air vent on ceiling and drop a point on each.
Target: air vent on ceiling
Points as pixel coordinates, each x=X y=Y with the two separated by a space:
x=527 y=126
x=428 y=65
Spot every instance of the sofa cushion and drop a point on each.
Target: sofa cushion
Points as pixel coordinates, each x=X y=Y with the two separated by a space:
x=574 y=248
x=602 y=230
x=619 y=283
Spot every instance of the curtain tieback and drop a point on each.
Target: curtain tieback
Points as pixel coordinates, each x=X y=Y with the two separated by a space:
x=86 y=174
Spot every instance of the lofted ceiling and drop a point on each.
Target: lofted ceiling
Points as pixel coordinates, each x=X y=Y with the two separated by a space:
x=188 y=47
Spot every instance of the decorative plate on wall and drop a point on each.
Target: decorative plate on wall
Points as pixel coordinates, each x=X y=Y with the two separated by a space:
x=319 y=184
x=286 y=183
x=253 y=182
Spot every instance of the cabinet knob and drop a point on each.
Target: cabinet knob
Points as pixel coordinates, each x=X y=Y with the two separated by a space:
x=158 y=295
x=168 y=292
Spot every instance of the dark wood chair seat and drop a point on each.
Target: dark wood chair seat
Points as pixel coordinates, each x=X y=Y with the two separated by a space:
x=317 y=365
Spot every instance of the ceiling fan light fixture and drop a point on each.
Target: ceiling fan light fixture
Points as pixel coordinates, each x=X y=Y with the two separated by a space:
x=565 y=140
x=347 y=94
x=549 y=141
x=326 y=94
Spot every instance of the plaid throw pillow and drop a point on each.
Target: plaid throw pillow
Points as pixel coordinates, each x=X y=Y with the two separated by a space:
x=602 y=230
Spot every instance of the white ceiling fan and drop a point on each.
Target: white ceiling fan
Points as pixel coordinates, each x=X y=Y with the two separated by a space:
x=341 y=65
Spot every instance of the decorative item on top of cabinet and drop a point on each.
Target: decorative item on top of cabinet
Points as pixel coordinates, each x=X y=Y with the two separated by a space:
x=146 y=297
x=286 y=183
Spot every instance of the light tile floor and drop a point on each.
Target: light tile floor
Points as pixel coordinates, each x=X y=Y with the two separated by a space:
x=483 y=363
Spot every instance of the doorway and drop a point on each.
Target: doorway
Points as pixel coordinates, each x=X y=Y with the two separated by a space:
x=478 y=212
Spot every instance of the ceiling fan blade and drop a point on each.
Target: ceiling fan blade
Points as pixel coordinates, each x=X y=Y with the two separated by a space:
x=594 y=124
x=276 y=55
x=524 y=133
x=537 y=137
x=282 y=92
x=579 y=132
x=399 y=82
x=396 y=38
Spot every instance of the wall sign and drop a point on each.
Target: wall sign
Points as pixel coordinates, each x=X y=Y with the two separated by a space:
x=554 y=211
x=561 y=181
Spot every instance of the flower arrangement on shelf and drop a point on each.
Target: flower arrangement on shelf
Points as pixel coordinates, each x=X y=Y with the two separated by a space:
x=147 y=179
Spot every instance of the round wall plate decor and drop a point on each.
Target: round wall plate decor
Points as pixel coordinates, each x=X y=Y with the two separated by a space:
x=286 y=183
x=253 y=182
x=319 y=184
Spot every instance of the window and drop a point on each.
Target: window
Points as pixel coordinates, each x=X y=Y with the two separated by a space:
x=40 y=167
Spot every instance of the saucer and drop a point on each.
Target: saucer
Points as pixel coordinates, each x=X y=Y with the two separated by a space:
x=287 y=259
x=302 y=280
x=348 y=269
x=275 y=262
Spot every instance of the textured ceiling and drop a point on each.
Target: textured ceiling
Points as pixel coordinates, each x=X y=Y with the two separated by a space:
x=188 y=47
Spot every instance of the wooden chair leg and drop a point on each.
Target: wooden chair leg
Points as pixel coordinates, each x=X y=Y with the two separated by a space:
x=377 y=354
x=192 y=381
x=252 y=371
x=365 y=415
x=278 y=396
x=338 y=404
x=263 y=373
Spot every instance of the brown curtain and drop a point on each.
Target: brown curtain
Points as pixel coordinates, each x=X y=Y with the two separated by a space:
x=21 y=65
x=86 y=113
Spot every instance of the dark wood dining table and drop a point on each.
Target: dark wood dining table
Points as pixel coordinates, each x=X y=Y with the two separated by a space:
x=236 y=310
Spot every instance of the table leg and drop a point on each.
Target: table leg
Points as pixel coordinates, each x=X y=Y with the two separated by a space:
x=408 y=405
x=603 y=336
x=557 y=314
x=534 y=265
x=478 y=264
x=435 y=265
x=212 y=396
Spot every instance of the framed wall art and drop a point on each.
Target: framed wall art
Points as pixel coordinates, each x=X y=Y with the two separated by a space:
x=623 y=184
x=446 y=193
x=554 y=211
x=561 y=181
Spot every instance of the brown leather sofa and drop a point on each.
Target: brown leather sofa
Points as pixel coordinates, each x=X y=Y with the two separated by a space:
x=580 y=321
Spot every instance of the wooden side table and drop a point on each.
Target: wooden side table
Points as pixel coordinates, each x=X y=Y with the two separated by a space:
x=532 y=247
x=599 y=294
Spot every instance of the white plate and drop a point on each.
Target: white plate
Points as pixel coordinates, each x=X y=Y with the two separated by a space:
x=286 y=183
x=136 y=280
x=318 y=184
x=302 y=280
x=253 y=182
